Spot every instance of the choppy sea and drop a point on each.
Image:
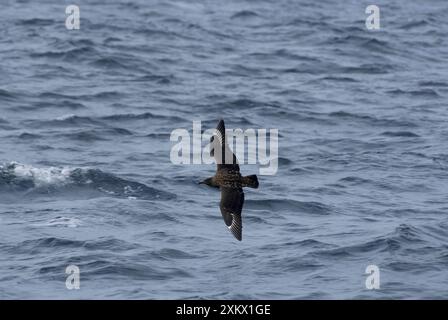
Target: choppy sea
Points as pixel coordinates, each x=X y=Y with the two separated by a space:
x=85 y=171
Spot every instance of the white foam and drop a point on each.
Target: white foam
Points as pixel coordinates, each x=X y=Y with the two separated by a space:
x=42 y=176
x=61 y=222
x=65 y=117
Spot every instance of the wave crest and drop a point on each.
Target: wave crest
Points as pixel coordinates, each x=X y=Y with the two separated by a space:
x=73 y=182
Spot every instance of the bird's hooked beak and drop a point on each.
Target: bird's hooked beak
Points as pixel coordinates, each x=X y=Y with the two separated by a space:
x=207 y=182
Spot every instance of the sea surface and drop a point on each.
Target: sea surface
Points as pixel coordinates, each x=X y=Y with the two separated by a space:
x=85 y=171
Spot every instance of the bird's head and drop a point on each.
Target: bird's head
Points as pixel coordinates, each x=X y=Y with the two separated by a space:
x=208 y=181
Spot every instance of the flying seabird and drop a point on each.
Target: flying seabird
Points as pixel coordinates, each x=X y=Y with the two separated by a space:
x=229 y=179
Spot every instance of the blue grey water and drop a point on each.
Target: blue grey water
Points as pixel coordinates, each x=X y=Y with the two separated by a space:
x=86 y=177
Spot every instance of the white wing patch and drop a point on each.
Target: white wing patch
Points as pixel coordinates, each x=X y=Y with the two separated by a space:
x=236 y=226
x=220 y=137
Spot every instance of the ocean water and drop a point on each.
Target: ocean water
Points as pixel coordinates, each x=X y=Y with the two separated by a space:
x=85 y=171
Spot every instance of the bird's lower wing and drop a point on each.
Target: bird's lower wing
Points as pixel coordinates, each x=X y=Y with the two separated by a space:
x=231 y=205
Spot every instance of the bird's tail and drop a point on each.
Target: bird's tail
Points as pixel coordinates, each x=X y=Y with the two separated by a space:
x=250 y=181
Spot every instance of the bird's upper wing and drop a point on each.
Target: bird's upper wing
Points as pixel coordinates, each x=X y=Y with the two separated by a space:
x=231 y=205
x=225 y=159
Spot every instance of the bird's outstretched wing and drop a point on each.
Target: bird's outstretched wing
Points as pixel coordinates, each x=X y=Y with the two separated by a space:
x=224 y=157
x=232 y=200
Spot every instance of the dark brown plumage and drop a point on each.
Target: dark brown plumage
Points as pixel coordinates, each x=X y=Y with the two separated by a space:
x=229 y=179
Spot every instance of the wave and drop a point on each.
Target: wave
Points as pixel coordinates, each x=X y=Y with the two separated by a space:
x=426 y=93
x=7 y=95
x=36 y=22
x=65 y=97
x=140 y=116
x=109 y=63
x=343 y=115
x=414 y=24
x=29 y=136
x=103 y=122
x=106 y=266
x=244 y=14
x=63 y=121
x=236 y=104
x=303 y=244
x=363 y=42
x=46 y=243
x=96 y=135
x=433 y=84
x=338 y=79
x=75 y=183
x=355 y=180
x=60 y=221
x=160 y=79
x=82 y=53
x=283 y=161
x=287 y=204
x=404 y=236
x=168 y=254
x=406 y=134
